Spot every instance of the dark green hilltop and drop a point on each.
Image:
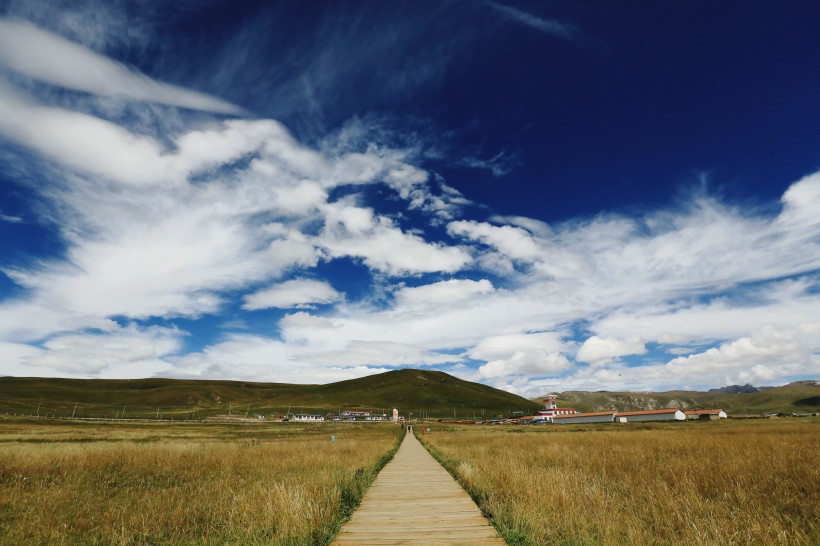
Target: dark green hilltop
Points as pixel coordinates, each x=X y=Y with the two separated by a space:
x=431 y=393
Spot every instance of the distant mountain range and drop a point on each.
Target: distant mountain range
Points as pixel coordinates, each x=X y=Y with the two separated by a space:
x=737 y=400
x=422 y=392
x=432 y=393
x=740 y=389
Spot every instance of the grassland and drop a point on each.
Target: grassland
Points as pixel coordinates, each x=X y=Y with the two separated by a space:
x=419 y=391
x=728 y=482
x=162 y=483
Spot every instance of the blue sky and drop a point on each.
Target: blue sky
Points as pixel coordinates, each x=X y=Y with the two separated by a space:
x=539 y=196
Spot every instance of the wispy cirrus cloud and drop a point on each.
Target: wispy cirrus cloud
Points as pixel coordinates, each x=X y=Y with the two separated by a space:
x=50 y=58
x=552 y=27
x=207 y=214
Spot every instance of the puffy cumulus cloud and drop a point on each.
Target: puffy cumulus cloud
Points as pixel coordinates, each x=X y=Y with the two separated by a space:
x=800 y=205
x=519 y=354
x=501 y=347
x=114 y=354
x=293 y=293
x=769 y=355
x=447 y=292
x=596 y=350
x=50 y=58
x=536 y=363
x=758 y=355
x=357 y=232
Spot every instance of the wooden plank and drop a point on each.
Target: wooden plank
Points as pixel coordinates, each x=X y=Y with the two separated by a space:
x=415 y=501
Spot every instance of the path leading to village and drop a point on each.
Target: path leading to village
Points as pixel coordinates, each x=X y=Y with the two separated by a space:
x=415 y=501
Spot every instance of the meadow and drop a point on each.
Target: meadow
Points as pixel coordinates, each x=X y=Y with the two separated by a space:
x=724 y=483
x=175 y=483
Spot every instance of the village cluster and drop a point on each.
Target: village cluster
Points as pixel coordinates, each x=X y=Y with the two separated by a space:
x=555 y=415
x=552 y=414
x=365 y=416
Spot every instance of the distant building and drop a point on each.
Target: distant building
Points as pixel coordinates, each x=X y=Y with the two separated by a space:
x=666 y=414
x=552 y=409
x=706 y=414
x=591 y=417
x=355 y=415
x=307 y=417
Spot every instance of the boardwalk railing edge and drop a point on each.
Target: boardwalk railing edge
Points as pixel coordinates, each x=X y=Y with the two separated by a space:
x=352 y=491
x=511 y=536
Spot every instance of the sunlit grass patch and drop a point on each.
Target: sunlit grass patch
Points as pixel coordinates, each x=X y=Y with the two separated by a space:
x=184 y=484
x=667 y=483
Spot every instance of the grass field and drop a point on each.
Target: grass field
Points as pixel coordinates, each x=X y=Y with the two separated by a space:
x=728 y=482
x=163 y=483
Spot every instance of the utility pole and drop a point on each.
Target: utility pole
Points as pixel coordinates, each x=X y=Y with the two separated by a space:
x=38 y=407
x=73 y=412
x=157 y=417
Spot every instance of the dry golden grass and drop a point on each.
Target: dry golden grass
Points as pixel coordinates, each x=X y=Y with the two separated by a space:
x=666 y=483
x=183 y=484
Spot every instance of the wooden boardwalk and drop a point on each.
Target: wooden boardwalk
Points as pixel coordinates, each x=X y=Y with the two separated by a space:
x=415 y=501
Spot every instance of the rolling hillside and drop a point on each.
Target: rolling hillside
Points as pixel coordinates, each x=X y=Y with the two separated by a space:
x=437 y=394
x=798 y=397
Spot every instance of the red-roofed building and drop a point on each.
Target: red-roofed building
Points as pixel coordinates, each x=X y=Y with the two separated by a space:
x=591 y=417
x=706 y=414
x=552 y=409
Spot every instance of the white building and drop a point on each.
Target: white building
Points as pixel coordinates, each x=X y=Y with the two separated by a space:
x=355 y=415
x=307 y=417
x=552 y=410
x=665 y=414
x=591 y=417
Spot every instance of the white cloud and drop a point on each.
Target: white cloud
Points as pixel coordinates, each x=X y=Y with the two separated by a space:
x=293 y=293
x=378 y=353
x=517 y=354
x=505 y=346
x=14 y=357
x=358 y=232
x=596 y=350
x=447 y=292
x=547 y=26
x=256 y=358
x=536 y=363
x=10 y=219
x=115 y=354
x=176 y=224
x=50 y=58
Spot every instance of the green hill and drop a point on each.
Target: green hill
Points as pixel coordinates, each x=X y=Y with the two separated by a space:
x=432 y=393
x=798 y=397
